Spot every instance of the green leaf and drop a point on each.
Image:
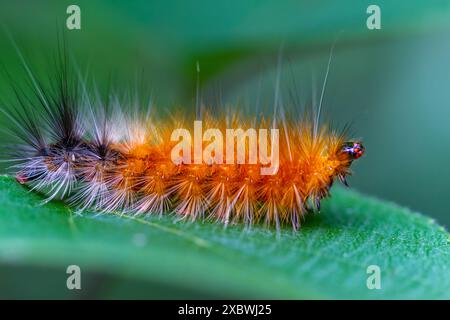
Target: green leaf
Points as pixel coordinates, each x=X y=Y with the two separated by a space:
x=158 y=257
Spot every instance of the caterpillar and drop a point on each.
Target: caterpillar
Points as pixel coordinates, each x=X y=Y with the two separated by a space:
x=101 y=156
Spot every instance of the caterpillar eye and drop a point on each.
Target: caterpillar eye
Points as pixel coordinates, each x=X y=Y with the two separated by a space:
x=353 y=149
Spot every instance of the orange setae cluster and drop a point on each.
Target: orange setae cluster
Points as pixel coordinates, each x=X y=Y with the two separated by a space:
x=309 y=162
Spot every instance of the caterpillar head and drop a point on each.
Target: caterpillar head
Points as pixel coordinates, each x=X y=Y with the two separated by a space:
x=353 y=149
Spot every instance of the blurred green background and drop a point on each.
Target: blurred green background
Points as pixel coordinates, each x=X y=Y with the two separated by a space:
x=391 y=84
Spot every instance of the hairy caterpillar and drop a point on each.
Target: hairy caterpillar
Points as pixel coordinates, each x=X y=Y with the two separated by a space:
x=97 y=155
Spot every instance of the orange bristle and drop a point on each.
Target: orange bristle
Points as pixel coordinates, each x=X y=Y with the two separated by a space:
x=308 y=164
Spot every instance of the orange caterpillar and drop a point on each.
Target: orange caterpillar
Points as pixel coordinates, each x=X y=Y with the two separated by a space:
x=118 y=163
